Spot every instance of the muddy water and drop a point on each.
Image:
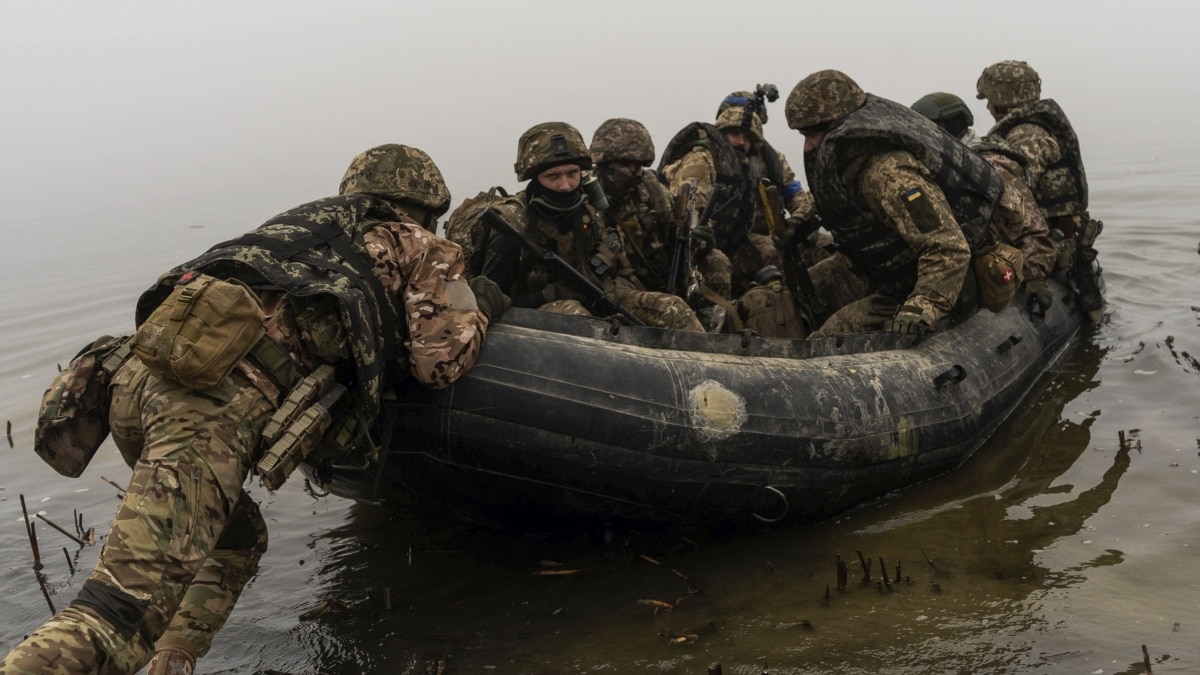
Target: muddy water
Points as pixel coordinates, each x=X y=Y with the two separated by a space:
x=1055 y=549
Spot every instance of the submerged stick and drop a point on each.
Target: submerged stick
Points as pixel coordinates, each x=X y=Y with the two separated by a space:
x=70 y=565
x=930 y=561
x=866 y=565
x=1146 y=660
x=113 y=483
x=37 y=558
x=842 y=574
x=77 y=540
x=45 y=592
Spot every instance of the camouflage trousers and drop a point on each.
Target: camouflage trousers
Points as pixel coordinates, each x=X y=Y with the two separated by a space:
x=849 y=299
x=660 y=310
x=716 y=271
x=186 y=538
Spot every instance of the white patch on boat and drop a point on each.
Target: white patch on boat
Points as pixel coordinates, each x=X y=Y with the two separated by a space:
x=717 y=412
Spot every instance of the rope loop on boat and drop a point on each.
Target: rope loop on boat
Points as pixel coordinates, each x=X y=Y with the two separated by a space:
x=782 y=514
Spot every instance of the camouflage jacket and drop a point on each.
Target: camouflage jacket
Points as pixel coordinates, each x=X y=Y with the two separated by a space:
x=598 y=252
x=1017 y=220
x=645 y=217
x=364 y=283
x=1041 y=132
x=700 y=151
x=904 y=201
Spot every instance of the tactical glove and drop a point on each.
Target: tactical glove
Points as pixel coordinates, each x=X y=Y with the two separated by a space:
x=491 y=300
x=703 y=241
x=908 y=320
x=1037 y=289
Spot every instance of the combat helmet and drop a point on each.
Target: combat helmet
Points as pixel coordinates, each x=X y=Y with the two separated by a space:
x=744 y=116
x=821 y=98
x=398 y=172
x=622 y=140
x=947 y=111
x=1009 y=83
x=550 y=143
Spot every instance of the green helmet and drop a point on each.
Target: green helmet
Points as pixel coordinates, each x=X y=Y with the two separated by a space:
x=741 y=116
x=550 y=143
x=1009 y=83
x=622 y=140
x=821 y=98
x=946 y=110
x=398 y=172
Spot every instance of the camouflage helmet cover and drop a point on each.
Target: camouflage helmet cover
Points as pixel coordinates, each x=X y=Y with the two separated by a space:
x=400 y=172
x=744 y=98
x=823 y=97
x=941 y=106
x=742 y=116
x=1009 y=83
x=550 y=143
x=622 y=140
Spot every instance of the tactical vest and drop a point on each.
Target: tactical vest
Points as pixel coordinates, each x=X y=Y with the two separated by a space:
x=1062 y=189
x=970 y=185
x=316 y=250
x=734 y=208
x=648 y=207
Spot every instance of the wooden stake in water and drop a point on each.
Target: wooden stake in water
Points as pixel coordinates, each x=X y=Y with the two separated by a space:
x=37 y=558
x=77 y=540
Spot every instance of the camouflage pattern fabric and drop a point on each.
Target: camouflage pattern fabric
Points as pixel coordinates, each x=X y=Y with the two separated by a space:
x=187 y=539
x=549 y=143
x=396 y=171
x=1009 y=83
x=884 y=185
x=822 y=97
x=1019 y=223
x=622 y=140
x=193 y=452
x=620 y=281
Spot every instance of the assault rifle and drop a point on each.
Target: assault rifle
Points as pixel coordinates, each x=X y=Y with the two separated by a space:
x=795 y=273
x=564 y=269
x=686 y=220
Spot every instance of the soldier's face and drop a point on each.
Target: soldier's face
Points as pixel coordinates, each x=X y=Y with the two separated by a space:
x=563 y=178
x=739 y=139
x=619 y=177
x=812 y=141
x=995 y=113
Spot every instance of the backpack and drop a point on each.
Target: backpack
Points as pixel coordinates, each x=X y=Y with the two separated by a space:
x=72 y=421
x=465 y=229
x=770 y=310
x=998 y=274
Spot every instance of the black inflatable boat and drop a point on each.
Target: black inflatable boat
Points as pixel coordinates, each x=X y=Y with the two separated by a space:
x=567 y=416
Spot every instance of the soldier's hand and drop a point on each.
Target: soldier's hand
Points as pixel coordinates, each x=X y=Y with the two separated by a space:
x=1038 y=289
x=703 y=241
x=491 y=300
x=908 y=320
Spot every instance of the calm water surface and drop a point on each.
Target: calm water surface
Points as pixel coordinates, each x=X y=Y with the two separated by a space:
x=1054 y=549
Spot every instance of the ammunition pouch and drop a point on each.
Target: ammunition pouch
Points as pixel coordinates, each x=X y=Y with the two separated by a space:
x=771 y=311
x=72 y=420
x=298 y=425
x=998 y=275
x=199 y=333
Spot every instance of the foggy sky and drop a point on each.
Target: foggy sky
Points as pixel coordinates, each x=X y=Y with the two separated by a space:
x=239 y=110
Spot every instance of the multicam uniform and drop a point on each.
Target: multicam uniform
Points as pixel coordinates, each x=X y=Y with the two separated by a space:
x=1018 y=221
x=907 y=205
x=187 y=538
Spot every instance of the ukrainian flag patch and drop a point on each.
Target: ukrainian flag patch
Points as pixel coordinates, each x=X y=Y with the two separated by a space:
x=913 y=194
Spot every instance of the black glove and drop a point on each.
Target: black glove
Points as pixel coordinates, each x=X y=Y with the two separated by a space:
x=703 y=241
x=1037 y=289
x=491 y=300
x=908 y=320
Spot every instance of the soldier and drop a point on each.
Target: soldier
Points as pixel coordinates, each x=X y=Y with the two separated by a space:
x=1022 y=226
x=554 y=211
x=348 y=292
x=731 y=157
x=1039 y=130
x=905 y=202
x=645 y=212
